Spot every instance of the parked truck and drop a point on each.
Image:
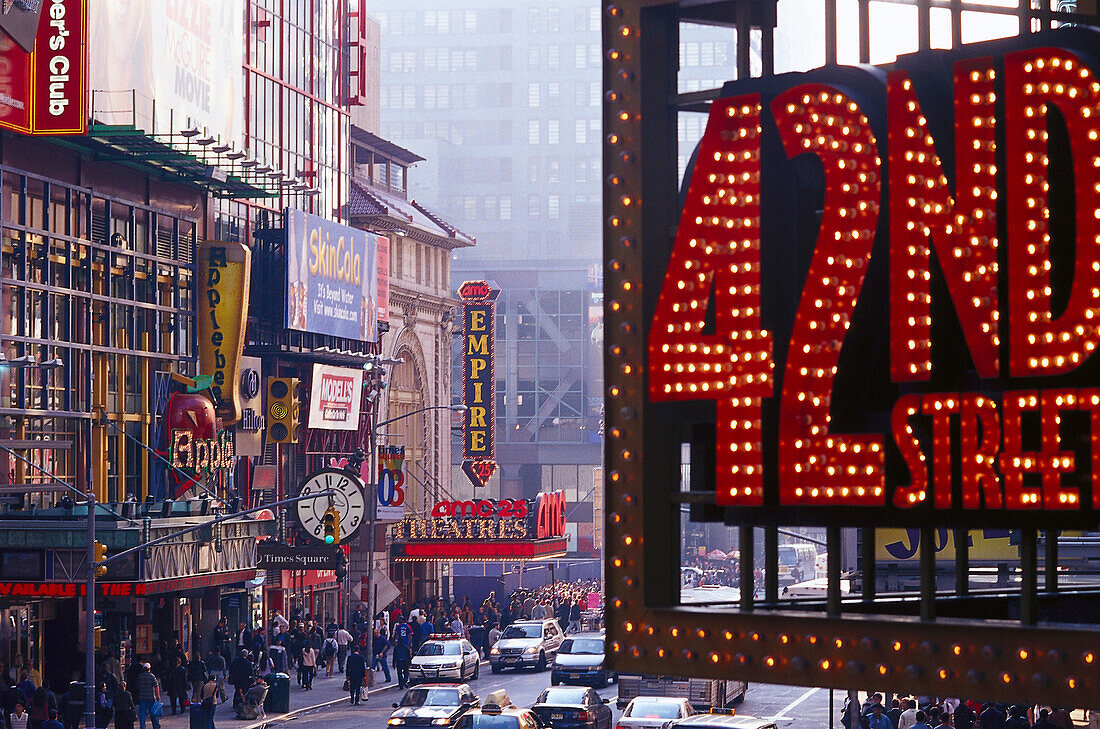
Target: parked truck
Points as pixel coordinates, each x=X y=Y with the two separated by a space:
x=703 y=693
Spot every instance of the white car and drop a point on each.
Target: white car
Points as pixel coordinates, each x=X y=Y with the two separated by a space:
x=445 y=657
x=653 y=712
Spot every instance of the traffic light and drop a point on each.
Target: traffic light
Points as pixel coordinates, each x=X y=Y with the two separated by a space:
x=98 y=555
x=341 y=567
x=331 y=520
x=282 y=409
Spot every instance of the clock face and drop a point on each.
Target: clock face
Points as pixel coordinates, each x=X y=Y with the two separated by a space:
x=347 y=499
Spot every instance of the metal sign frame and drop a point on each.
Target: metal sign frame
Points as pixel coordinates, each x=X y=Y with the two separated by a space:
x=937 y=643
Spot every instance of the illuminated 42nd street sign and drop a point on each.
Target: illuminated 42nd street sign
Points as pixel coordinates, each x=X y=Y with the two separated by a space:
x=930 y=356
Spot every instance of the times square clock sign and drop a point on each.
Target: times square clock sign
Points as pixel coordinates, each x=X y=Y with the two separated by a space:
x=936 y=363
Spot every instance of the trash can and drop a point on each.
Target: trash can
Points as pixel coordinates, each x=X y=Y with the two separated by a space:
x=278 y=694
x=196 y=717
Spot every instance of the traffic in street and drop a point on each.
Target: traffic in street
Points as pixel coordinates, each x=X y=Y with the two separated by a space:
x=788 y=706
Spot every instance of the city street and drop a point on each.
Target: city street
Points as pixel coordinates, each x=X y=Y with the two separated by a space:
x=790 y=706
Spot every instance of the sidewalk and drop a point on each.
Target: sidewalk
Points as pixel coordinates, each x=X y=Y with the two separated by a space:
x=325 y=691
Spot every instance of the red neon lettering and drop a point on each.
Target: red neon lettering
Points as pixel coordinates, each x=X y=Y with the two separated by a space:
x=1042 y=342
x=816 y=467
x=717 y=252
x=962 y=228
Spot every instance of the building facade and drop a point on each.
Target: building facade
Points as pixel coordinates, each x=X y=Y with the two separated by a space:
x=421 y=318
x=99 y=340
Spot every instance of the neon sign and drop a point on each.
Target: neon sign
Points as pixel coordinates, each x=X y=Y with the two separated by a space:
x=860 y=373
x=507 y=519
x=479 y=380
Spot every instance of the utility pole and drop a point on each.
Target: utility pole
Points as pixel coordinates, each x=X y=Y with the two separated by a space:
x=89 y=608
x=372 y=509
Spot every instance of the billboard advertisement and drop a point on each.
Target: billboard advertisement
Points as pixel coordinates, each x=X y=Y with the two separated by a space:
x=334 y=398
x=184 y=55
x=44 y=91
x=332 y=281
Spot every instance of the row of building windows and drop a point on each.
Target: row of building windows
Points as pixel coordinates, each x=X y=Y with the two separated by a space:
x=489 y=59
x=585 y=131
x=704 y=53
x=443 y=22
x=397 y=97
x=499 y=207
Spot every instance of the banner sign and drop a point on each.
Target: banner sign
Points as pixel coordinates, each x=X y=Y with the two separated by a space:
x=273 y=556
x=935 y=363
x=391 y=483
x=184 y=54
x=383 y=278
x=478 y=380
x=251 y=425
x=45 y=91
x=332 y=282
x=225 y=274
x=335 y=395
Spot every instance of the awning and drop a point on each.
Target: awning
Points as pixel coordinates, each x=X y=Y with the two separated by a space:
x=479 y=551
x=192 y=163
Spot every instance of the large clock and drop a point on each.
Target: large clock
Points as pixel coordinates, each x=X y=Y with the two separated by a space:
x=347 y=499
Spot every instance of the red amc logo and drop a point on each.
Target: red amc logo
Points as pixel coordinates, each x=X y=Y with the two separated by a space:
x=476 y=290
x=505 y=509
x=551 y=515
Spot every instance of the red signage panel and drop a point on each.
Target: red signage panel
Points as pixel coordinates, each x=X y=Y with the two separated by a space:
x=890 y=307
x=45 y=91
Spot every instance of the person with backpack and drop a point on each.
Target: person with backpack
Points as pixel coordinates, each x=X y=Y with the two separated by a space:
x=329 y=649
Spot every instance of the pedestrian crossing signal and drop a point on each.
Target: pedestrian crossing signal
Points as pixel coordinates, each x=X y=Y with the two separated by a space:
x=331 y=521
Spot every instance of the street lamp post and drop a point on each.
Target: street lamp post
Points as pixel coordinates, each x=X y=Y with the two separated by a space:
x=372 y=606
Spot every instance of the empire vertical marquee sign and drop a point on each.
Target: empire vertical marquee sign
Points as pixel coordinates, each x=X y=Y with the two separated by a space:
x=478 y=380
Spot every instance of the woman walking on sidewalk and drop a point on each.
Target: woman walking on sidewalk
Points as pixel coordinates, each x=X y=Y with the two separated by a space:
x=309 y=666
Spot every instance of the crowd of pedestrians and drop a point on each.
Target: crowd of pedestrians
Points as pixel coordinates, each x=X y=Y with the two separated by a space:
x=239 y=660
x=928 y=713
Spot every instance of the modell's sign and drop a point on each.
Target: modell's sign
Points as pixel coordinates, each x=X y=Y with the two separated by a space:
x=44 y=91
x=933 y=359
x=335 y=396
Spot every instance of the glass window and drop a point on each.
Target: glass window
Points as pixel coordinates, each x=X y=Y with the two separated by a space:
x=533 y=131
x=533 y=95
x=552 y=131
x=553 y=207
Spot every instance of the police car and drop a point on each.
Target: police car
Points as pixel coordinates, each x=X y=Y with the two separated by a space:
x=445 y=657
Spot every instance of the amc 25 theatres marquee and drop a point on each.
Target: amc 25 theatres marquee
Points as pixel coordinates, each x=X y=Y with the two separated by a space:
x=880 y=307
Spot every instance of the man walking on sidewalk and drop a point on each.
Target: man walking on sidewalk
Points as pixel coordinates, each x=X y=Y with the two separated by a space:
x=343 y=639
x=356 y=673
